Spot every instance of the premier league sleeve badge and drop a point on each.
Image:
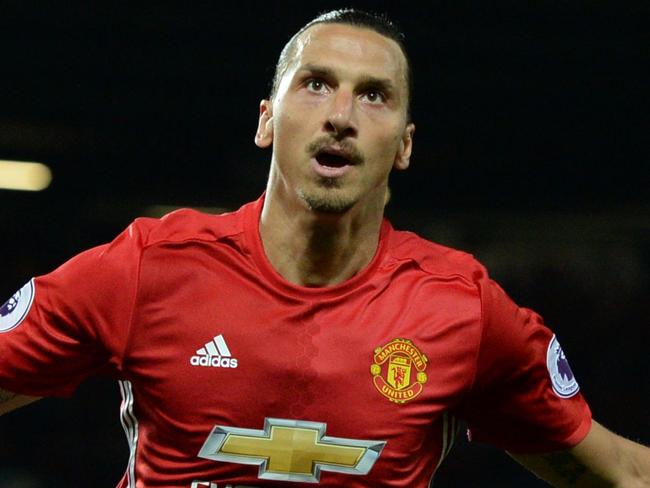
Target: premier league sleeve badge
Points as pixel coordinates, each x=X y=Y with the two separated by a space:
x=562 y=378
x=14 y=310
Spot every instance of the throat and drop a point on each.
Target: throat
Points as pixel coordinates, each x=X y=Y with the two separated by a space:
x=320 y=258
x=329 y=260
x=317 y=249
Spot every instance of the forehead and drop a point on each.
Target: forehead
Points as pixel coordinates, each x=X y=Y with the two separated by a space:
x=354 y=47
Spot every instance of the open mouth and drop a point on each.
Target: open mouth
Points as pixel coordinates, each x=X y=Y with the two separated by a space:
x=331 y=160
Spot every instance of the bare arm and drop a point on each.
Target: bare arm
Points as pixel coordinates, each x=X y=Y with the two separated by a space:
x=602 y=460
x=10 y=401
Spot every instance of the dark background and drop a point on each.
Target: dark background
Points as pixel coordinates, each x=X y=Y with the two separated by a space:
x=531 y=152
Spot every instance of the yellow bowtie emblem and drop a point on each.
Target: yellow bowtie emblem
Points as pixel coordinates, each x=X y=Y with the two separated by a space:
x=291 y=450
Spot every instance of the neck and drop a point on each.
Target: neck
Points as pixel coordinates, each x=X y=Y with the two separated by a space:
x=314 y=249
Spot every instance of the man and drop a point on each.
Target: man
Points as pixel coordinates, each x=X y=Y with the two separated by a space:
x=301 y=340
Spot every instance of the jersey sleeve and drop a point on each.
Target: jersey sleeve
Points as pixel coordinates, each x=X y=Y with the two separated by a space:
x=525 y=398
x=72 y=323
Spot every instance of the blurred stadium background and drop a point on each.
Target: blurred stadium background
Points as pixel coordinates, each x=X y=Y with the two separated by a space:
x=531 y=152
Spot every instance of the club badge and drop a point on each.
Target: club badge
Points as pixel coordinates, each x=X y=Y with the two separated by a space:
x=398 y=370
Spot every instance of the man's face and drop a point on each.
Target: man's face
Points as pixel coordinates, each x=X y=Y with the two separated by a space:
x=338 y=120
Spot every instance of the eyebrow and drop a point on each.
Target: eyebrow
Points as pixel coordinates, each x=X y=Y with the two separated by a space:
x=365 y=82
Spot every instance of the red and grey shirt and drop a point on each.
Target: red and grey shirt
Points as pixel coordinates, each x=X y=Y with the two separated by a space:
x=233 y=376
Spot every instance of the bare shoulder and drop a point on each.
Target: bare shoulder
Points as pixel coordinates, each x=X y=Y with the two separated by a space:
x=10 y=401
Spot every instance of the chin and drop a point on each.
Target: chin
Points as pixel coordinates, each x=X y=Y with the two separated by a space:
x=328 y=201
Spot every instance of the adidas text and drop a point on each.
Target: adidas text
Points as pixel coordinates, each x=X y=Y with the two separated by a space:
x=214 y=354
x=213 y=361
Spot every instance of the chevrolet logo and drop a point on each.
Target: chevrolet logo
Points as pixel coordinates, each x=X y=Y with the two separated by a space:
x=291 y=450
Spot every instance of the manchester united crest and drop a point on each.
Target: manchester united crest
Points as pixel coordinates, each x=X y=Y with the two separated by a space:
x=398 y=370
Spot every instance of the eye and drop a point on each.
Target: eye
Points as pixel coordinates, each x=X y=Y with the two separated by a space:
x=374 y=97
x=316 y=85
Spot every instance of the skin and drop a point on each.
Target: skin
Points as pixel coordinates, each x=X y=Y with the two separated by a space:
x=321 y=231
x=10 y=401
x=601 y=460
x=345 y=88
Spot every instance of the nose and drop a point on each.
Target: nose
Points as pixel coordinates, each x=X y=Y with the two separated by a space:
x=341 y=116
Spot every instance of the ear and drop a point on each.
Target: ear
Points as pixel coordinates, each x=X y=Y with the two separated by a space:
x=264 y=134
x=403 y=156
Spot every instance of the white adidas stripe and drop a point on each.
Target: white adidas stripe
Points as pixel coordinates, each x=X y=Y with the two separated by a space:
x=130 y=426
x=212 y=349
x=221 y=345
x=216 y=347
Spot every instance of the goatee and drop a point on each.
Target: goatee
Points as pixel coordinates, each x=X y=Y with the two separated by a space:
x=329 y=204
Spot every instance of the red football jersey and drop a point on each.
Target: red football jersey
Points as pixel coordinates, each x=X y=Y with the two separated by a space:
x=232 y=376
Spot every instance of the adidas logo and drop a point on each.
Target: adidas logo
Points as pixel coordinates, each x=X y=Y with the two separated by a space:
x=215 y=354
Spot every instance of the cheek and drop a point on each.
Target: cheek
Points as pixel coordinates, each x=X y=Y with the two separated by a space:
x=295 y=112
x=284 y=128
x=289 y=124
x=290 y=141
x=387 y=142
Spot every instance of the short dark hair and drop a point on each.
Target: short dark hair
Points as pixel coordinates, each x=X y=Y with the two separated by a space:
x=379 y=23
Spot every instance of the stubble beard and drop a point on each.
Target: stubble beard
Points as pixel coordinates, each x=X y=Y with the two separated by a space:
x=329 y=198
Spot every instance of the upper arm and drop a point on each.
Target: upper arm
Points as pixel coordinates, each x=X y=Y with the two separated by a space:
x=524 y=397
x=602 y=459
x=10 y=401
x=72 y=323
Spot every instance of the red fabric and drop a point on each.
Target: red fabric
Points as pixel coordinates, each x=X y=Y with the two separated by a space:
x=512 y=404
x=141 y=307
